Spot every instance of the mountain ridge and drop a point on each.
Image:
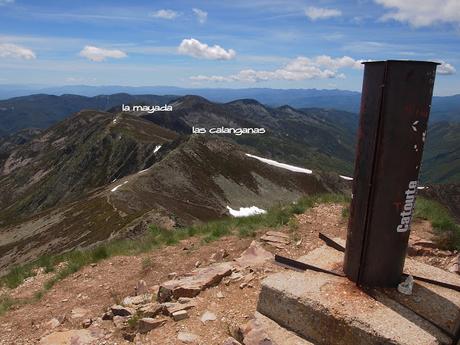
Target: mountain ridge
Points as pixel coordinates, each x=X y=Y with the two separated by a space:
x=194 y=178
x=298 y=137
x=449 y=106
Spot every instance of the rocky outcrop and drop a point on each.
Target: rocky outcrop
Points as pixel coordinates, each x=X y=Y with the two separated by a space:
x=198 y=280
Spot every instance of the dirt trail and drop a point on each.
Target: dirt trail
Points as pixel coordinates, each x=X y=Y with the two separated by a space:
x=89 y=292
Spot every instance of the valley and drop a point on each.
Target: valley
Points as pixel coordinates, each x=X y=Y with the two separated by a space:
x=101 y=175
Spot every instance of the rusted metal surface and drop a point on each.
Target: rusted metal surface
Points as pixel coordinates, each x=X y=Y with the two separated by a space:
x=395 y=106
x=331 y=243
x=301 y=266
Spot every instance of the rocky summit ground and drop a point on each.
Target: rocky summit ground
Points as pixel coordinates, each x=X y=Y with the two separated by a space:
x=192 y=292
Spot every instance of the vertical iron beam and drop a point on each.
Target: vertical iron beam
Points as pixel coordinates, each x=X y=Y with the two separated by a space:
x=395 y=105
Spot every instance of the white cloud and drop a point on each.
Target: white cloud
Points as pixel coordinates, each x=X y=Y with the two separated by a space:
x=336 y=63
x=164 y=14
x=422 y=13
x=100 y=54
x=6 y=2
x=315 y=13
x=201 y=15
x=300 y=68
x=197 y=49
x=213 y=78
x=445 y=68
x=8 y=50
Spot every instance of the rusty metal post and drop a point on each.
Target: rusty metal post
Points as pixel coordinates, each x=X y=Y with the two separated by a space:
x=395 y=106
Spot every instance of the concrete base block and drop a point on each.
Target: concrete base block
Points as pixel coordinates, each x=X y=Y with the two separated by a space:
x=327 y=309
x=262 y=330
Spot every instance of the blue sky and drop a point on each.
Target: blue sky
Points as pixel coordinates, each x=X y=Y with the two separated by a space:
x=237 y=43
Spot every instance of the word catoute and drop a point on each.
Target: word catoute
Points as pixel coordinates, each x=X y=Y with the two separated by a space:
x=228 y=130
x=406 y=214
x=146 y=108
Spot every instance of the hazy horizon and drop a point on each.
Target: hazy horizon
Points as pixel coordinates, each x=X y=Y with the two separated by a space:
x=38 y=87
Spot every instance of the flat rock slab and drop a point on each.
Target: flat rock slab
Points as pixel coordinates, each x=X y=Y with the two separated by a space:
x=180 y=315
x=151 y=309
x=254 y=255
x=198 y=280
x=136 y=301
x=277 y=234
x=72 y=337
x=262 y=330
x=147 y=324
x=276 y=239
x=170 y=308
x=327 y=309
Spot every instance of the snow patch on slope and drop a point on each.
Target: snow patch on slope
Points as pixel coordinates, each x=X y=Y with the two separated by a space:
x=281 y=165
x=115 y=188
x=245 y=211
x=346 y=178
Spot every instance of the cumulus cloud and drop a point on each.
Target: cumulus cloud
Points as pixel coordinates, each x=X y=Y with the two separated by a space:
x=195 y=48
x=164 y=14
x=315 y=13
x=201 y=15
x=8 y=50
x=445 y=68
x=100 y=54
x=300 y=68
x=422 y=13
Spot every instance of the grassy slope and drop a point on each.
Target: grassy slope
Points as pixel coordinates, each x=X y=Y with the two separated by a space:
x=155 y=238
x=447 y=230
x=441 y=158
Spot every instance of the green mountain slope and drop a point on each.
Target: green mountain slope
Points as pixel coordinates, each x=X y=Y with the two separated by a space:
x=306 y=138
x=85 y=151
x=193 y=179
x=441 y=158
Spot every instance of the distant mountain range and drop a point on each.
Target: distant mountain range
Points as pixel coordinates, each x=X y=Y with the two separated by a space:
x=90 y=175
x=444 y=108
x=42 y=111
x=99 y=175
x=316 y=137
